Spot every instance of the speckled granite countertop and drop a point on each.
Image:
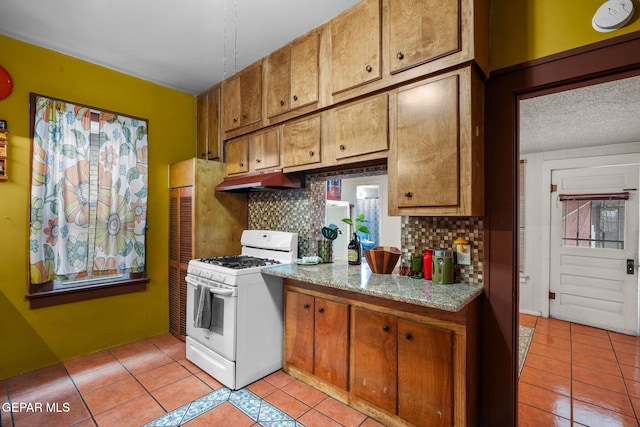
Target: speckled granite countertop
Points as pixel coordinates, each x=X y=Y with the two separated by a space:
x=360 y=279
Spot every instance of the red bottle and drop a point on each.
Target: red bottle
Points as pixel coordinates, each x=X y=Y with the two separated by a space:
x=426 y=263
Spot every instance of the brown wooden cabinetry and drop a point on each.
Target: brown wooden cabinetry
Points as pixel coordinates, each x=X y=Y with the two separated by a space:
x=208 y=128
x=425 y=374
x=421 y=31
x=360 y=128
x=201 y=224
x=291 y=75
x=236 y=155
x=301 y=142
x=264 y=150
x=436 y=160
x=375 y=358
x=408 y=365
x=356 y=46
x=403 y=367
x=316 y=337
x=242 y=98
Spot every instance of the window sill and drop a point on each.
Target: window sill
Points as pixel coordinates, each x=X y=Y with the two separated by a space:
x=63 y=296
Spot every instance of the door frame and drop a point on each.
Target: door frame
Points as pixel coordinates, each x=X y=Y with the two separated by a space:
x=608 y=60
x=547 y=169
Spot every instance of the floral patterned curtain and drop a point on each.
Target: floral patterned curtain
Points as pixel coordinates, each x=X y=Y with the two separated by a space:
x=88 y=194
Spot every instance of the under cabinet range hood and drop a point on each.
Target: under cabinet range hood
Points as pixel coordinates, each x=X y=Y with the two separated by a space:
x=263 y=181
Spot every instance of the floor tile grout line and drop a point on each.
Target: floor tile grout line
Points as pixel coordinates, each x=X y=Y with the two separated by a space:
x=6 y=390
x=84 y=402
x=623 y=379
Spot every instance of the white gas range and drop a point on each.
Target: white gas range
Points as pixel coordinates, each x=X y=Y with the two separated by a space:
x=234 y=313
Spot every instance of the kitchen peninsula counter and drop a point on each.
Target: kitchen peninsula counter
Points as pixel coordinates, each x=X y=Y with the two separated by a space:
x=375 y=341
x=360 y=280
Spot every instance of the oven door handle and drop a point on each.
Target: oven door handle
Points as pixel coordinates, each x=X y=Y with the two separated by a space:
x=216 y=291
x=222 y=292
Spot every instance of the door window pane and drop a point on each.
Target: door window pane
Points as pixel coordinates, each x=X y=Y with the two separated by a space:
x=593 y=223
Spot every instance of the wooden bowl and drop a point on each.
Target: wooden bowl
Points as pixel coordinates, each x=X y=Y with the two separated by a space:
x=382 y=259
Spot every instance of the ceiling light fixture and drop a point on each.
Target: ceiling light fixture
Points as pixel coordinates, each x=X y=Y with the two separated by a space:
x=612 y=15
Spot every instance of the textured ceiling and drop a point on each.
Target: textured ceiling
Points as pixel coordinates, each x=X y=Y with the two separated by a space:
x=603 y=114
x=188 y=45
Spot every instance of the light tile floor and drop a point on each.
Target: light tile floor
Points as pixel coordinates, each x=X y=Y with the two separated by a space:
x=575 y=375
x=150 y=383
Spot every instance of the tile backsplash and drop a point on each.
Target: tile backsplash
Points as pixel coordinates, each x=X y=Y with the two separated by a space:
x=302 y=211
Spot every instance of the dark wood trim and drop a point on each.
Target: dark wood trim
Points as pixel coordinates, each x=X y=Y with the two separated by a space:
x=49 y=298
x=604 y=61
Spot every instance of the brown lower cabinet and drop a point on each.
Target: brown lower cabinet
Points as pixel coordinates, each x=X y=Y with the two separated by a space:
x=317 y=341
x=403 y=364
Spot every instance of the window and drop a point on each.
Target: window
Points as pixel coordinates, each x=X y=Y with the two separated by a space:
x=593 y=220
x=88 y=202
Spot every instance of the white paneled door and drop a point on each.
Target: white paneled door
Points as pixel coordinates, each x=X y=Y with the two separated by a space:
x=594 y=247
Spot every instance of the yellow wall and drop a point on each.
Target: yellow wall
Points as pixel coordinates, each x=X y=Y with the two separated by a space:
x=30 y=339
x=525 y=30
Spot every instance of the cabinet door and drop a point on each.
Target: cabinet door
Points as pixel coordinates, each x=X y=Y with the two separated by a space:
x=264 y=150
x=301 y=142
x=425 y=374
x=304 y=71
x=422 y=30
x=277 y=66
x=236 y=156
x=428 y=144
x=298 y=337
x=231 y=108
x=207 y=135
x=355 y=46
x=331 y=342
x=361 y=128
x=251 y=95
x=375 y=350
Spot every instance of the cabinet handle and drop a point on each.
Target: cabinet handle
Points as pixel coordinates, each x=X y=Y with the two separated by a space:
x=244 y=117
x=385 y=328
x=241 y=164
x=400 y=55
x=342 y=147
x=295 y=97
x=311 y=153
x=258 y=160
x=368 y=68
x=281 y=103
x=202 y=154
x=306 y=306
x=321 y=310
x=408 y=194
x=235 y=120
x=408 y=336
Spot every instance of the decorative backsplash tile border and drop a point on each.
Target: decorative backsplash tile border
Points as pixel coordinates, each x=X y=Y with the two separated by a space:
x=302 y=211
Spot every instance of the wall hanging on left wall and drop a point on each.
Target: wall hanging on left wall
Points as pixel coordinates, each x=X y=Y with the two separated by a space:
x=6 y=83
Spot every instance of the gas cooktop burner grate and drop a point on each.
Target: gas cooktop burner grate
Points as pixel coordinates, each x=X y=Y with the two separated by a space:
x=239 y=262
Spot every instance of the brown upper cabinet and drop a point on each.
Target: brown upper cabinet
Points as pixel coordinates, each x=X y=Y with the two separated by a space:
x=361 y=128
x=264 y=150
x=436 y=162
x=301 y=142
x=237 y=155
x=356 y=46
x=421 y=31
x=207 y=133
x=291 y=75
x=242 y=98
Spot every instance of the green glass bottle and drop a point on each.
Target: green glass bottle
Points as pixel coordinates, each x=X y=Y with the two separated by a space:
x=353 y=251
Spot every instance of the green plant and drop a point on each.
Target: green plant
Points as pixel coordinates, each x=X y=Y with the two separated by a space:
x=357 y=223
